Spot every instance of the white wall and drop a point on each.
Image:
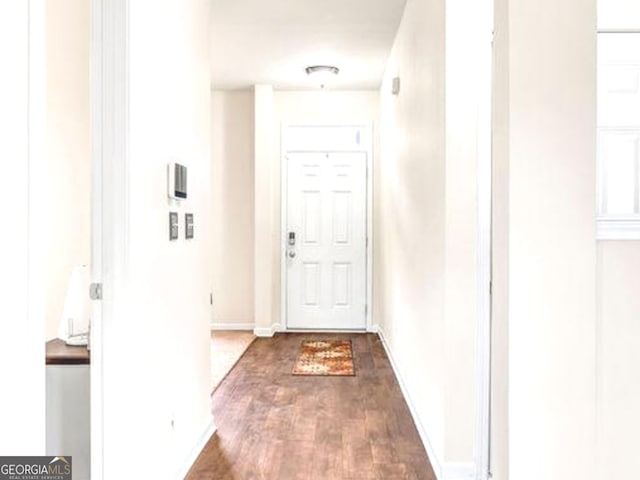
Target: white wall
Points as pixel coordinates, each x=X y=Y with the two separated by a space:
x=426 y=256
x=618 y=358
x=319 y=106
x=232 y=200
x=156 y=347
x=68 y=150
x=266 y=235
x=409 y=237
x=22 y=116
x=550 y=136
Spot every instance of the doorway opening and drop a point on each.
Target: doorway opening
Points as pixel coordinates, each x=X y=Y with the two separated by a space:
x=68 y=248
x=326 y=227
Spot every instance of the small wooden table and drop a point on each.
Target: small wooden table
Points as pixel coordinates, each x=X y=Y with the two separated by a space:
x=59 y=353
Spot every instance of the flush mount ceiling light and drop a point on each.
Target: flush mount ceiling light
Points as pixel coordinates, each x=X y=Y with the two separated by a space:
x=322 y=68
x=322 y=72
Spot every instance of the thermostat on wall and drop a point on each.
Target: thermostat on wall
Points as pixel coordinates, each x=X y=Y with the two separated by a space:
x=177 y=181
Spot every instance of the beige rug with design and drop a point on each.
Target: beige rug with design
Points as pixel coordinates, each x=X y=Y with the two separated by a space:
x=325 y=357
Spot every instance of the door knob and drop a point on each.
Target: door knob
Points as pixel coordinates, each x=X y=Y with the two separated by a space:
x=292 y=254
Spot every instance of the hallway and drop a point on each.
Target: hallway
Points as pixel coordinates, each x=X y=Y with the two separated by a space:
x=273 y=425
x=503 y=233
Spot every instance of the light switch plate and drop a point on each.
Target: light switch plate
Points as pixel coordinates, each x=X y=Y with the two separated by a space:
x=188 y=225
x=173 y=225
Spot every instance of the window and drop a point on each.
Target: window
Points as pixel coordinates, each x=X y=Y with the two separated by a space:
x=618 y=121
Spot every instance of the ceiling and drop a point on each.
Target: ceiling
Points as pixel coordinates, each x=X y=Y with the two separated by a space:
x=272 y=41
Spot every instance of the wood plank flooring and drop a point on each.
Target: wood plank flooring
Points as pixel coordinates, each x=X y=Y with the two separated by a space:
x=273 y=425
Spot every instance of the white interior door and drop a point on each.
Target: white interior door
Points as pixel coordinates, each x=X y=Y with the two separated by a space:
x=326 y=240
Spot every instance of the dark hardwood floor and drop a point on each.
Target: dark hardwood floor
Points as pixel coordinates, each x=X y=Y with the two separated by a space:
x=273 y=425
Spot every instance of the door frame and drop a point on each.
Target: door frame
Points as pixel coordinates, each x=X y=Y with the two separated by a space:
x=286 y=133
x=485 y=86
x=109 y=196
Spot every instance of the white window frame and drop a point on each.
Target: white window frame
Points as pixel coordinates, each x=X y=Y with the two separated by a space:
x=615 y=226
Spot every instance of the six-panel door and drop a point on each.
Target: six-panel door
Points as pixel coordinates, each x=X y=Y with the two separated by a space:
x=326 y=240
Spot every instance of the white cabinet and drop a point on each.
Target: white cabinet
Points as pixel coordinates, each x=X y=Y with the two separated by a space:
x=68 y=415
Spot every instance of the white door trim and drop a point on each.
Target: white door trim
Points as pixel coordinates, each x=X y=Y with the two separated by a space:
x=484 y=122
x=109 y=192
x=36 y=231
x=285 y=141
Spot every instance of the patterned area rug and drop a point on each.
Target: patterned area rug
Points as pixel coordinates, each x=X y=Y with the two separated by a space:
x=325 y=357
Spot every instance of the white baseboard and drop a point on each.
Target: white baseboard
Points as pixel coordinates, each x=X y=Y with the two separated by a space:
x=321 y=330
x=443 y=470
x=267 y=331
x=433 y=458
x=458 y=471
x=208 y=429
x=232 y=326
